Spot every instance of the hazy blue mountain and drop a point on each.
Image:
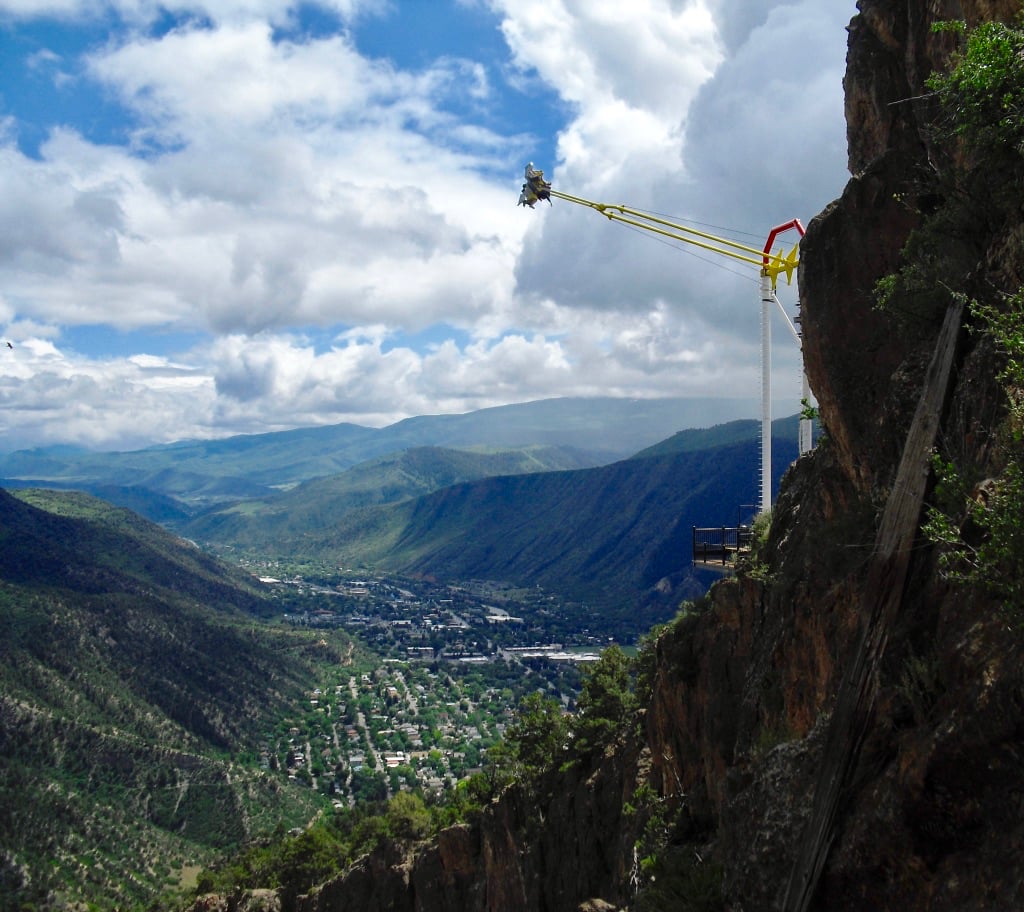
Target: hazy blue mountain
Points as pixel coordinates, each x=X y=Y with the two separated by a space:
x=199 y=473
x=611 y=428
x=618 y=537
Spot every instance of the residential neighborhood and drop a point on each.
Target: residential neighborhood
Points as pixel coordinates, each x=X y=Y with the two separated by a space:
x=450 y=665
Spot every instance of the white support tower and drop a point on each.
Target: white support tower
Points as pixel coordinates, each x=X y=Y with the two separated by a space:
x=767 y=296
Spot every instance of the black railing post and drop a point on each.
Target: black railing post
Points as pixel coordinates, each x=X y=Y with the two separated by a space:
x=719 y=544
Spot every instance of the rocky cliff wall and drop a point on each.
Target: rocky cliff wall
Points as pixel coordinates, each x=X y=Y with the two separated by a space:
x=544 y=847
x=932 y=817
x=863 y=370
x=926 y=821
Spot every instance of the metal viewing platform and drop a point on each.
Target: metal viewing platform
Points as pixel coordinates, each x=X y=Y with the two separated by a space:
x=717 y=547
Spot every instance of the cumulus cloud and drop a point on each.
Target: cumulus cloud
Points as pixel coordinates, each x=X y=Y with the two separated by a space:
x=275 y=185
x=52 y=396
x=286 y=190
x=762 y=143
x=630 y=71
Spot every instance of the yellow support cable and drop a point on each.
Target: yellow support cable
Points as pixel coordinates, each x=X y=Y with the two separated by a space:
x=777 y=264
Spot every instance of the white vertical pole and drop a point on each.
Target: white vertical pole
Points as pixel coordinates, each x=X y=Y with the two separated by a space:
x=766 y=392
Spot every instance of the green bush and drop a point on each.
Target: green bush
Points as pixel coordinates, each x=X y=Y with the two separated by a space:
x=979 y=526
x=606 y=702
x=960 y=197
x=539 y=736
x=407 y=817
x=680 y=880
x=982 y=97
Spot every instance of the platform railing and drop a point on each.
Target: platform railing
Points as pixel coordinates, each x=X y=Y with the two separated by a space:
x=719 y=544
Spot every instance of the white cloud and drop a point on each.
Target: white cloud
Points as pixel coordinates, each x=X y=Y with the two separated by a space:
x=630 y=70
x=51 y=396
x=763 y=143
x=296 y=194
x=195 y=79
x=277 y=188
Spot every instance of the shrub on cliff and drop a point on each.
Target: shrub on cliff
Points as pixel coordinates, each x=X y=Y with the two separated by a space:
x=978 y=522
x=976 y=519
x=544 y=738
x=606 y=702
x=538 y=738
x=967 y=198
x=982 y=96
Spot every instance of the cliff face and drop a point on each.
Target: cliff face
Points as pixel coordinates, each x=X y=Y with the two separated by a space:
x=928 y=816
x=742 y=716
x=860 y=369
x=530 y=850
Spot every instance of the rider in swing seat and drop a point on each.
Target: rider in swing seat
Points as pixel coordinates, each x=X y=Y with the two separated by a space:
x=527 y=197
x=540 y=188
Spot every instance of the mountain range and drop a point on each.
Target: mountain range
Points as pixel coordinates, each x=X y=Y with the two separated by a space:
x=528 y=497
x=615 y=537
x=196 y=474
x=133 y=661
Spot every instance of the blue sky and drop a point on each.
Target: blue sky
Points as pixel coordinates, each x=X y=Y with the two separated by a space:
x=237 y=216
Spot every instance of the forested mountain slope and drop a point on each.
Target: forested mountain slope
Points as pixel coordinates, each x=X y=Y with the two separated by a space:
x=129 y=668
x=282 y=521
x=617 y=537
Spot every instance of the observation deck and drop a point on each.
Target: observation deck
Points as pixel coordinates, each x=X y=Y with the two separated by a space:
x=717 y=547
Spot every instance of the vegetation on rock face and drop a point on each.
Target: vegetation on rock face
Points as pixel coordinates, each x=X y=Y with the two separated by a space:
x=978 y=520
x=607 y=702
x=968 y=234
x=295 y=863
x=545 y=738
x=982 y=97
x=977 y=507
x=682 y=881
x=969 y=195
